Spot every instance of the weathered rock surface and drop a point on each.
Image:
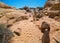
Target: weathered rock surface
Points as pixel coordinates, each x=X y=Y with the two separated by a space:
x=2 y=5
x=25 y=29
x=29 y=33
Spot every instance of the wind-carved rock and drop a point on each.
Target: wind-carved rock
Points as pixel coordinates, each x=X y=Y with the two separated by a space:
x=45 y=30
x=2 y=5
x=54 y=1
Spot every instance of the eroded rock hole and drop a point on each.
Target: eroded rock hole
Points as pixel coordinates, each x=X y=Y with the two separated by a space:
x=12 y=18
x=37 y=19
x=17 y=33
x=9 y=25
x=57 y=29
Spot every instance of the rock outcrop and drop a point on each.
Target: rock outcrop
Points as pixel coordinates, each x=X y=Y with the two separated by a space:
x=2 y=5
x=26 y=26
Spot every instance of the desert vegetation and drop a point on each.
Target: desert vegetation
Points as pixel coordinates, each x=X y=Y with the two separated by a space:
x=5 y=34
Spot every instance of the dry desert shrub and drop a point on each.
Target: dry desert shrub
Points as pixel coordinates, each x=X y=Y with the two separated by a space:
x=5 y=34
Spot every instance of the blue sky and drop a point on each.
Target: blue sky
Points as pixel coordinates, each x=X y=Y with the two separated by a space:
x=22 y=3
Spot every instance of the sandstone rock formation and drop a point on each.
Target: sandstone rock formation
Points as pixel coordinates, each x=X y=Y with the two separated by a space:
x=27 y=30
x=29 y=33
x=2 y=5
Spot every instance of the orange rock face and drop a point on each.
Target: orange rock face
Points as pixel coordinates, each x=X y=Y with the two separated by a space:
x=27 y=30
